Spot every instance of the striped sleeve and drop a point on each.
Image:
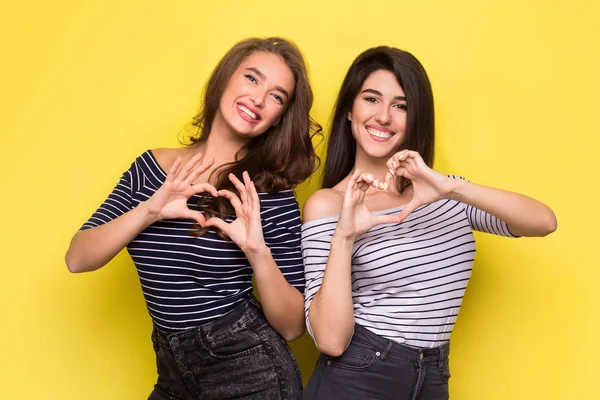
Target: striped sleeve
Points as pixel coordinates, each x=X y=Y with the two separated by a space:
x=281 y=230
x=483 y=221
x=118 y=202
x=315 y=251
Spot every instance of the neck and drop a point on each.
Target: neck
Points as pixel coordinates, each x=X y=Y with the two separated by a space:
x=371 y=165
x=222 y=143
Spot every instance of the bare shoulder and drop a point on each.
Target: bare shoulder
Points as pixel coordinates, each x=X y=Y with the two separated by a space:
x=167 y=156
x=323 y=203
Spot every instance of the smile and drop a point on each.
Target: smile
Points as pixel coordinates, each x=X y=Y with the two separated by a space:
x=246 y=111
x=379 y=134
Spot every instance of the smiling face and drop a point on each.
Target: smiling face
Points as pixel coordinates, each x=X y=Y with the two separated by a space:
x=256 y=96
x=378 y=116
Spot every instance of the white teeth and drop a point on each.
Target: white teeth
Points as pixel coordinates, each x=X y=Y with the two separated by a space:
x=380 y=134
x=247 y=112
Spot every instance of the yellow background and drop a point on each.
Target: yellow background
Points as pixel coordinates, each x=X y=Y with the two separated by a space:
x=87 y=86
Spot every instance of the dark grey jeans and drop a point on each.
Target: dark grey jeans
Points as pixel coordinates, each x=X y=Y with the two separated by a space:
x=238 y=356
x=376 y=368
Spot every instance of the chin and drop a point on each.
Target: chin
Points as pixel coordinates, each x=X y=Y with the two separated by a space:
x=380 y=153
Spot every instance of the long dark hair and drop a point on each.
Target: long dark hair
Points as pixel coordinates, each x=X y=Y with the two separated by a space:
x=281 y=157
x=420 y=124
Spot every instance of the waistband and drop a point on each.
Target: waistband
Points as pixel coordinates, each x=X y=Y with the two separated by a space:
x=236 y=319
x=388 y=346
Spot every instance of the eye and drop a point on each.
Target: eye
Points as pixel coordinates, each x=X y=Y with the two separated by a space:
x=401 y=107
x=251 y=78
x=278 y=98
x=371 y=100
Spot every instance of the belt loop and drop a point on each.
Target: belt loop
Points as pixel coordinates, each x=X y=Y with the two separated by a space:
x=387 y=350
x=442 y=357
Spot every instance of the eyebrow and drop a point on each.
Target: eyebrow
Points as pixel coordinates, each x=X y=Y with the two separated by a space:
x=378 y=93
x=263 y=76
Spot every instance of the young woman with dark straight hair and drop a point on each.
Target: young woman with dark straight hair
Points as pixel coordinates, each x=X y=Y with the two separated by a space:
x=388 y=252
x=224 y=211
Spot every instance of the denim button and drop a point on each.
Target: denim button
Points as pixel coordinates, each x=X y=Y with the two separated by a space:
x=421 y=356
x=378 y=354
x=174 y=341
x=328 y=362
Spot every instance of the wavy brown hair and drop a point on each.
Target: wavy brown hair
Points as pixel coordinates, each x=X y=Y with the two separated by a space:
x=283 y=156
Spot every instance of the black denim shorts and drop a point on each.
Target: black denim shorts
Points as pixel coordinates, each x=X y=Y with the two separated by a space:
x=238 y=356
x=373 y=367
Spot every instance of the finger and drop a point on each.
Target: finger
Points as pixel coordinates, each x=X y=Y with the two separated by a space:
x=352 y=180
x=407 y=210
x=218 y=223
x=400 y=171
x=254 y=198
x=233 y=199
x=247 y=184
x=404 y=155
x=390 y=163
x=362 y=186
x=389 y=177
x=187 y=168
x=195 y=215
x=199 y=168
x=247 y=180
x=239 y=186
x=412 y=154
x=173 y=171
x=205 y=187
x=369 y=179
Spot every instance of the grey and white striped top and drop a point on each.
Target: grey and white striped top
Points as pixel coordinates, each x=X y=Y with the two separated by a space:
x=408 y=279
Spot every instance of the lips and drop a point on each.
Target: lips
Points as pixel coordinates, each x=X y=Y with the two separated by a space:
x=380 y=134
x=248 y=114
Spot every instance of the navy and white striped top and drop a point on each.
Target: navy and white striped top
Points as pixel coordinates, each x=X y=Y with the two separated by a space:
x=189 y=281
x=408 y=279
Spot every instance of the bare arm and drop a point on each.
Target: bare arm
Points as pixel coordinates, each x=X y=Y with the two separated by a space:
x=282 y=303
x=331 y=312
x=92 y=248
x=523 y=215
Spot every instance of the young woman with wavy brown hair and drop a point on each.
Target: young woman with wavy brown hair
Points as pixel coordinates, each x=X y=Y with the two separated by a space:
x=201 y=220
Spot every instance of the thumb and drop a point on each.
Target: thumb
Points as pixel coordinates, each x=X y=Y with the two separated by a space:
x=217 y=223
x=386 y=219
x=407 y=210
x=197 y=216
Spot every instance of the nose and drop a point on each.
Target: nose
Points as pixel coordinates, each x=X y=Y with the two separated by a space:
x=383 y=117
x=258 y=97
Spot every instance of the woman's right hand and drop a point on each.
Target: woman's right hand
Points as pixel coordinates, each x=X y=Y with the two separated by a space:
x=170 y=200
x=355 y=219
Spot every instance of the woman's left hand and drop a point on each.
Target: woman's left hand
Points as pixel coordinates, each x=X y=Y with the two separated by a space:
x=246 y=231
x=428 y=185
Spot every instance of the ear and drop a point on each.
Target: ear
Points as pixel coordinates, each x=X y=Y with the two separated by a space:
x=349 y=116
